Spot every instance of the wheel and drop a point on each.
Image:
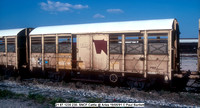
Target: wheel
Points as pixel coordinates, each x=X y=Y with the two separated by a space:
x=8 y=73
x=113 y=78
x=62 y=75
x=141 y=85
x=57 y=77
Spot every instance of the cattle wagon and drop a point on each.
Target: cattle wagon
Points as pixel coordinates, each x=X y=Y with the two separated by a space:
x=130 y=49
x=14 y=50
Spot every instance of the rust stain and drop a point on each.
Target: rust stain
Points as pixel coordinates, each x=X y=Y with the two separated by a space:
x=100 y=45
x=64 y=61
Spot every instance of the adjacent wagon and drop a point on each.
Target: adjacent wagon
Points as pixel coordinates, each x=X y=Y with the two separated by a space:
x=198 y=51
x=14 y=49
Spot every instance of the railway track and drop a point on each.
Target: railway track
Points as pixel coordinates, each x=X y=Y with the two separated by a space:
x=193 y=84
x=85 y=92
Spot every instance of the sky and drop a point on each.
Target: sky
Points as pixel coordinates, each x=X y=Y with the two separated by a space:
x=35 y=13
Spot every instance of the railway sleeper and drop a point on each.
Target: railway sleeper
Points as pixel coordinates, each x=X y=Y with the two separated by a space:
x=193 y=85
x=155 y=83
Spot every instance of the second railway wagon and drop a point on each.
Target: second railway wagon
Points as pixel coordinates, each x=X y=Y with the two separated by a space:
x=198 y=51
x=142 y=49
x=14 y=49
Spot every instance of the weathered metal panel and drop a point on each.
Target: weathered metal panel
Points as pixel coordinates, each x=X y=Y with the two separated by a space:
x=134 y=63
x=84 y=47
x=116 y=62
x=3 y=58
x=157 y=64
x=100 y=58
x=64 y=51
x=36 y=60
x=49 y=60
x=92 y=52
x=11 y=59
x=64 y=60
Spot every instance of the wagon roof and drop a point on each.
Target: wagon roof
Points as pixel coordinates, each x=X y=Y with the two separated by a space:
x=159 y=24
x=10 y=32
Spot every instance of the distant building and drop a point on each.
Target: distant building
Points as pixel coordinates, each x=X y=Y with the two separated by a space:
x=188 y=45
x=188 y=53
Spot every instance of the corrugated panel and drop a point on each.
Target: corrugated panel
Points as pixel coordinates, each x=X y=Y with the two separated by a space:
x=10 y=32
x=107 y=27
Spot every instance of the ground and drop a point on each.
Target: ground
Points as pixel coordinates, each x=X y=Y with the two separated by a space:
x=188 y=62
x=43 y=92
x=19 y=103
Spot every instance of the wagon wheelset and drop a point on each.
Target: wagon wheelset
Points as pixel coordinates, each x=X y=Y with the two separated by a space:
x=60 y=76
x=113 y=78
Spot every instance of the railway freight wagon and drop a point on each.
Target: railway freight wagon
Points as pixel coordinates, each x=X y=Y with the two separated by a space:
x=198 y=51
x=14 y=50
x=130 y=49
